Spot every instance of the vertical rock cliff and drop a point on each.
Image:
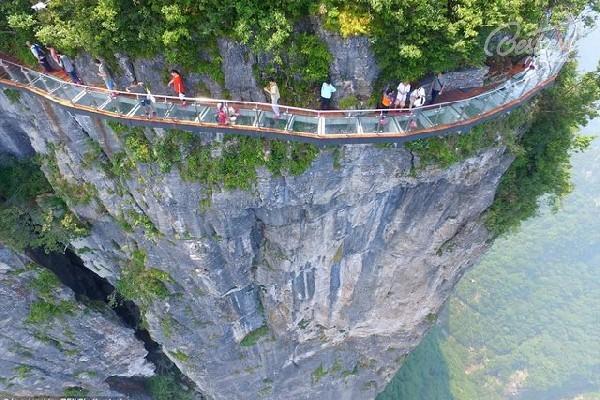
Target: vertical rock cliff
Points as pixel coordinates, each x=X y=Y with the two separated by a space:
x=52 y=345
x=308 y=286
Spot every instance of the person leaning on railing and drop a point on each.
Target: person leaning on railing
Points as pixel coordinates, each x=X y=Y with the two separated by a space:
x=66 y=64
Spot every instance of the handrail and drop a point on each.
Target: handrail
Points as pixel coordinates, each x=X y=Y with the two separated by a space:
x=177 y=99
x=255 y=118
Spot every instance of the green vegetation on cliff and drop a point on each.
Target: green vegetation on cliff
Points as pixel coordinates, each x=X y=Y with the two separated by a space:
x=47 y=307
x=140 y=283
x=253 y=337
x=230 y=164
x=542 y=166
x=410 y=38
x=31 y=214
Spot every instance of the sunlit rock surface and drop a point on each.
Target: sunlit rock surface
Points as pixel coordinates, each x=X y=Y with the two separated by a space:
x=305 y=287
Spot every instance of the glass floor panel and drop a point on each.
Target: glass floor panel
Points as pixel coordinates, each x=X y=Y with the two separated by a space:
x=471 y=108
x=189 y=112
x=67 y=92
x=341 y=125
x=377 y=125
x=15 y=73
x=442 y=115
x=46 y=84
x=301 y=123
x=413 y=121
x=209 y=115
x=267 y=119
x=245 y=117
x=93 y=99
x=160 y=109
x=120 y=105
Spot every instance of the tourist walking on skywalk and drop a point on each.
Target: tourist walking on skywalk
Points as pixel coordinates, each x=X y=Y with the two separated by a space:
x=388 y=98
x=177 y=83
x=417 y=97
x=437 y=87
x=144 y=97
x=40 y=55
x=402 y=94
x=273 y=91
x=67 y=65
x=106 y=74
x=327 y=90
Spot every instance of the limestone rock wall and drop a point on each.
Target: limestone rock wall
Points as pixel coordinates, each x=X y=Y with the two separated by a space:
x=354 y=68
x=314 y=286
x=13 y=141
x=78 y=349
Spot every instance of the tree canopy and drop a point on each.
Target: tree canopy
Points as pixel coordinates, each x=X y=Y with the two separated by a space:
x=410 y=37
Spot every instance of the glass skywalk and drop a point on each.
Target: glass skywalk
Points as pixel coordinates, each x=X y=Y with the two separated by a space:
x=336 y=126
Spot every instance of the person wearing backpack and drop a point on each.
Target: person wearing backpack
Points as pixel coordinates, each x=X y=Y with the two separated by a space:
x=388 y=98
x=40 y=55
x=417 y=97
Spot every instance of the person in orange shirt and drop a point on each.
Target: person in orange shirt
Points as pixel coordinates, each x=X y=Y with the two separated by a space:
x=177 y=83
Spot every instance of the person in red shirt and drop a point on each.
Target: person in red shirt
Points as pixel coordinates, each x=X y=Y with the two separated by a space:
x=177 y=83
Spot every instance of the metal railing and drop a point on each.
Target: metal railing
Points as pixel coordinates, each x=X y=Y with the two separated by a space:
x=258 y=118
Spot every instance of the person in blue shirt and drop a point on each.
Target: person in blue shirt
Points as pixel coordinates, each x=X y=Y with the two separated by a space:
x=327 y=89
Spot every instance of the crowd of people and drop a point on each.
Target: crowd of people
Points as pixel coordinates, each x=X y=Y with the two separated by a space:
x=51 y=60
x=403 y=97
x=62 y=61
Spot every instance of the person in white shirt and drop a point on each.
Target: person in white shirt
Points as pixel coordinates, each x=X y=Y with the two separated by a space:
x=403 y=91
x=327 y=89
x=417 y=97
x=273 y=91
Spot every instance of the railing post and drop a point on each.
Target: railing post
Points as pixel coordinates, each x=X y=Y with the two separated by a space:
x=26 y=74
x=320 y=124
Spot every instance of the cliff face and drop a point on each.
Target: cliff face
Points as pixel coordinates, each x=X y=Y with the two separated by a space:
x=310 y=286
x=50 y=343
x=237 y=69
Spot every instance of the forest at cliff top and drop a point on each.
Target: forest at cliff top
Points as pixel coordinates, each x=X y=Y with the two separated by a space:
x=410 y=38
